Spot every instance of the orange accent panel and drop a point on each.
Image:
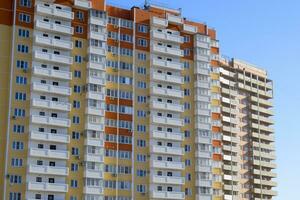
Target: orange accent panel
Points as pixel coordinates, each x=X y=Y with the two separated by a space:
x=6 y=17
x=113 y=130
x=212 y=33
x=216 y=129
x=124 y=102
x=201 y=27
x=111 y=115
x=24 y=24
x=214 y=63
x=125 y=147
x=214 y=50
x=113 y=145
x=215 y=116
x=83 y=24
x=119 y=12
x=217 y=157
x=125 y=117
x=98 y=4
x=216 y=143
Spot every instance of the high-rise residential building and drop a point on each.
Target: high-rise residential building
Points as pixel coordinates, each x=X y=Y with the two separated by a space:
x=104 y=103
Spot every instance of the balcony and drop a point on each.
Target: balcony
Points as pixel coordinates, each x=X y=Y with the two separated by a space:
x=95 y=80
x=93 y=157
x=167 y=164
x=53 y=27
x=94 y=111
x=265 y=192
x=95 y=95
x=167 y=135
x=167 y=78
x=51 y=121
x=202 y=44
x=50 y=137
x=47 y=88
x=173 y=19
x=166 y=64
x=97 y=20
x=94 y=126
x=96 y=50
x=93 y=190
x=52 y=42
x=98 y=66
x=47 y=153
x=203 y=58
x=53 y=105
x=167 y=106
x=201 y=70
x=159 y=22
x=167 y=50
x=167 y=150
x=97 y=35
x=265 y=164
x=163 y=35
x=53 y=11
x=166 y=92
x=172 y=180
x=47 y=187
x=167 y=195
x=190 y=29
x=265 y=182
x=51 y=57
x=167 y=121
x=90 y=173
x=48 y=170
x=94 y=142
x=46 y=72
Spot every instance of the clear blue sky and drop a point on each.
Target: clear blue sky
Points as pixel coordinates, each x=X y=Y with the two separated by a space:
x=266 y=33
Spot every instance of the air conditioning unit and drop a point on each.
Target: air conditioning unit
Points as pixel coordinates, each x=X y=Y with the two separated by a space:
x=116 y=26
x=77 y=157
x=114 y=175
x=13 y=117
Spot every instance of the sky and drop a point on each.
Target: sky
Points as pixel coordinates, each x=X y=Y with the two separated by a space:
x=265 y=33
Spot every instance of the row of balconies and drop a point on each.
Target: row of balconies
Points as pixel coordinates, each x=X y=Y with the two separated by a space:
x=53 y=27
x=52 y=42
x=47 y=72
x=167 y=121
x=167 y=135
x=167 y=150
x=166 y=64
x=166 y=92
x=171 y=51
x=48 y=104
x=271 y=165
x=51 y=57
x=52 y=10
x=166 y=78
x=51 y=121
x=165 y=36
x=265 y=173
x=265 y=182
x=173 y=180
x=167 y=106
x=167 y=164
x=47 y=88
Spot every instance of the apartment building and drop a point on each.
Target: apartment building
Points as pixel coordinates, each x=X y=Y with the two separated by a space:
x=105 y=103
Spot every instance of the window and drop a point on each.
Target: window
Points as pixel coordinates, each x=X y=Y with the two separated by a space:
x=79 y=29
x=126 y=23
x=142 y=56
x=186 y=52
x=80 y=15
x=186 y=79
x=187 y=106
x=17 y=145
x=16 y=162
x=141 y=99
x=74 y=183
x=142 y=28
x=24 y=18
x=186 y=38
x=77 y=89
x=186 y=65
x=113 y=20
x=15 y=196
x=141 y=84
x=20 y=96
x=187 y=148
x=78 y=59
x=18 y=112
x=141 y=158
x=187 y=162
x=76 y=104
x=142 y=42
x=141 y=70
x=75 y=151
x=141 y=143
x=78 y=44
x=76 y=120
x=21 y=80
x=141 y=188
x=23 y=33
x=18 y=128
x=25 y=3
x=186 y=92
x=77 y=74
x=187 y=120
x=75 y=135
x=15 y=179
x=23 y=48
x=126 y=52
x=21 y=64
x=141 y=113
x=141 y=128
x=141 y=173
x=126 y=38
x=187 y=134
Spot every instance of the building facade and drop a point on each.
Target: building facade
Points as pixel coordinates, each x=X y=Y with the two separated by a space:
x=105 y=103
